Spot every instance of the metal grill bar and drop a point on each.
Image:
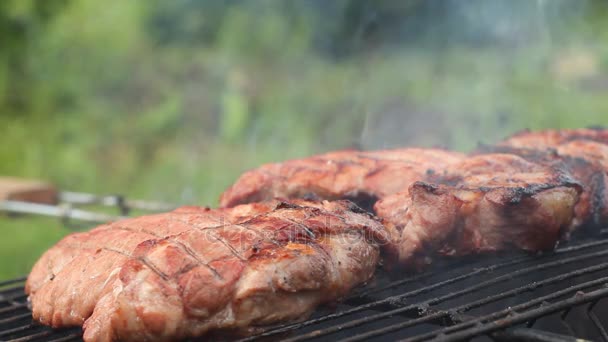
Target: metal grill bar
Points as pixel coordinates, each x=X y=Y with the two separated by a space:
x=506 y=312
x=420 y=312
x=533 y=335
x=286 y=328
x=492 y=267
x=70 y=337
x=596 y=321
x=63 y=212
x=13 y=299
x=16 y=317
x=396 y=300
x=16 y=329
x=32 y=337
x=578 y=299
x=13 y=307
x=113 y=201
x=388 y=300
x=12 y=281
x=466 y=307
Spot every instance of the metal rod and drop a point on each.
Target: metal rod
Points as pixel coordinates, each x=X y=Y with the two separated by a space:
x=529 y=287
x=598 y=324
x=5 y=298
x=564 y=323
x=399 y=298
x=16 y=317
x=32 y=337
x=71 y=337
x=64 y=212
x=533 y=335
x=508 y=311
x=17 y=329
x=113 y=201
x=496 y=325
x=13 y=308
x=560 y=250
x=12 y=281
x=388 y=300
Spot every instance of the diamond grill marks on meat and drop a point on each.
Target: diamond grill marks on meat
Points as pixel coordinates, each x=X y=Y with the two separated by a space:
x=587 y=162
x=552 y=138
x=357 y=175
x=194 y=270
x=485 y=203
x=107 y=245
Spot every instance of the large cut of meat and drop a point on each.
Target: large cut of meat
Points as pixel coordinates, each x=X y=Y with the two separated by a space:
x=587 y=162
x=195 y=270
x=484 y=203
x=356 y=175
x=551 y=138
x=434 y=202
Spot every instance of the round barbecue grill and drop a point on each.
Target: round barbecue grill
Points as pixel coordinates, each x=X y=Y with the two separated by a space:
x=560 y=296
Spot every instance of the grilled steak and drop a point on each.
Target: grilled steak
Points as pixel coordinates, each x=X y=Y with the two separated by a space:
x=587 y=162
x=195 y=270
x=360 y=176
x=551 y=138
x=485 y=203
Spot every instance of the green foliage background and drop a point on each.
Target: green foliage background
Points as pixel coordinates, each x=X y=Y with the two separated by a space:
x=172 y=100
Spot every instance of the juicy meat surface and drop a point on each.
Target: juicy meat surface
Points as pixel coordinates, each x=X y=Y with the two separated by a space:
x=194 y=270
x=587 y=162
x=551 y=138
x=357 y=175
x=485 y=203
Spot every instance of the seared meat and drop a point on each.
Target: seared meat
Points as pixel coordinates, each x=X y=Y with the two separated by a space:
x=194 y=270
x=593 y=156
x=552 y=138
x=596 y=151
x=485 y=203
x=356 y=175
x=123 y=236
x=587 y=162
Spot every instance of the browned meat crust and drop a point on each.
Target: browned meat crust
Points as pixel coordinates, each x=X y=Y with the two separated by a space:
x=587 y=162
x=194 y=270
x=485 y=203
x=551 y=138
x=357 y=175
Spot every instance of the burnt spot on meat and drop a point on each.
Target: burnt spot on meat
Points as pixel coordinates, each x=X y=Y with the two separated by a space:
x=429 y=187
x=598 y=200
x=283 y=204
x=576 y=157
x=362 y=202
x=566 y=179
x=311 y=196
x=600 y=197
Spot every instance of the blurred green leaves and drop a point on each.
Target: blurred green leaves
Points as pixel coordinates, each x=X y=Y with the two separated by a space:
x=172 y=100
x=235 y=114
x=115 y=90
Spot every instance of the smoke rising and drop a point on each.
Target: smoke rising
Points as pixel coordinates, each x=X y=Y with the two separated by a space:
x=476 y=71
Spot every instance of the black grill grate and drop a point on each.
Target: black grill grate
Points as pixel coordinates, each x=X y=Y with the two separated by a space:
x=508 y=297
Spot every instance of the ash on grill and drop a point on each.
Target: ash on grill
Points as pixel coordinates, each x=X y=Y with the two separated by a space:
x=561 y=296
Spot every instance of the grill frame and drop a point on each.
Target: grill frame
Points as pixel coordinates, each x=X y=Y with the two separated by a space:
x=357 y=318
